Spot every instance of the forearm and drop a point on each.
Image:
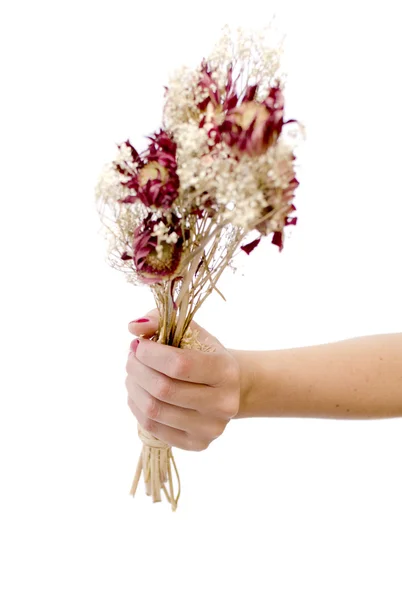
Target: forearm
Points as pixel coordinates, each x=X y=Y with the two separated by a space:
x=356 y=378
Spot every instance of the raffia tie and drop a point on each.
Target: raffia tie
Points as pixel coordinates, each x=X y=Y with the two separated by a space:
x=156 y=461
x=158 y=465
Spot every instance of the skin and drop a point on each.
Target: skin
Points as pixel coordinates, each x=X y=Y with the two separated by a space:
x=187 y=397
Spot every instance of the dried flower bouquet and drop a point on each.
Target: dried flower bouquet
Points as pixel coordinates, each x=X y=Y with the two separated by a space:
x=217 y=176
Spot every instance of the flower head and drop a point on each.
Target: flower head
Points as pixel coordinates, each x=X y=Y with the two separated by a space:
x=252 y=127
x=157 y=250
x=155 y=182
x=209 y=86
x=281 y=219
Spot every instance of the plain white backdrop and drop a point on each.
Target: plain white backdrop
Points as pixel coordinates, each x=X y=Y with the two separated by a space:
x=279 y=509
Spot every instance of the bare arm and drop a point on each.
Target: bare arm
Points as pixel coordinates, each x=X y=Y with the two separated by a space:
x=187 y=397
x=356 y=378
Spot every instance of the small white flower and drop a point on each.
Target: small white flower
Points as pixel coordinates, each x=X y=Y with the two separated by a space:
x=172 y=238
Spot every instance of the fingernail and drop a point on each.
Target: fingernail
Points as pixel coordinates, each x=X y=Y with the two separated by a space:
x=143 y=320
x=134 y=346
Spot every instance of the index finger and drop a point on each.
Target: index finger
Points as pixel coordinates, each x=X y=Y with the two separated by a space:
x=145 y=326
x=184 y=364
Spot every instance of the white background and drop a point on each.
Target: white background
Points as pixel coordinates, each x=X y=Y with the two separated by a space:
x=278 y=509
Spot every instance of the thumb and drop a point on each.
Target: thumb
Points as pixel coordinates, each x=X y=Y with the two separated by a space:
x=147 y=326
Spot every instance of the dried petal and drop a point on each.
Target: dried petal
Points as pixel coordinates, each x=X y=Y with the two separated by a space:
x=248 y=248
x=277 y=240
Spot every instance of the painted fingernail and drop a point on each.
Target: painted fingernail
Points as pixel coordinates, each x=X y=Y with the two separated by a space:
x=142 y=320
x=134 y=346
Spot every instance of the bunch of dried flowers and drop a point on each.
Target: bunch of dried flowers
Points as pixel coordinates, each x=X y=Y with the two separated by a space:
x=217 y=177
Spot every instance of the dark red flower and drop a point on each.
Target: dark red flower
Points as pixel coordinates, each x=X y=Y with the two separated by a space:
x=218 y=102
x=247 y=125
x=286 y=196
x=227 y=100
x=209 y=85
x=157 y=260
x=252 y=127
x=162 y=142
x=156 y=183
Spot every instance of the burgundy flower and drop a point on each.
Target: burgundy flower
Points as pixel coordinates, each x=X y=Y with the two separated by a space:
x=162 y=142
x=286 y=199
x=247 y=125
x=252 y=127
x=154 y=264
x=207 y=83
x=216 y=104
x=156 y=183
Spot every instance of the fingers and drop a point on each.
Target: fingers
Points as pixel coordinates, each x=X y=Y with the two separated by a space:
x=145 y=326
x=197 y=397
x=154 y=409
x=184 y=397
x=190 y=421
x=208 y=368
x=148 y=325
x=169 y=435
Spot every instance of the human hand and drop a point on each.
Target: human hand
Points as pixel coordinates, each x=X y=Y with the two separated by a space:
x=183 y=397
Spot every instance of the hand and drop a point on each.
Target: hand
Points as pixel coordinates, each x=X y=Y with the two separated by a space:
x=183 y=397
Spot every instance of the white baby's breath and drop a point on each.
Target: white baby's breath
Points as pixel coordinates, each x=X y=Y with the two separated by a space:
x=239 y=187
x=124 y=158
x=110 y=186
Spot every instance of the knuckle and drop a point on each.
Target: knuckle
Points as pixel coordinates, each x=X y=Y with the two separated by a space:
x=231 y=372
x=162 y=388
x=152 y=408
x=228 y=407
x=195 y=445
x=180 y=366
x=217 y=429
x=149 y=425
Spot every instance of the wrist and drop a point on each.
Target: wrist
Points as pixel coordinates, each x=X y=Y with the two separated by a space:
x=246 y=382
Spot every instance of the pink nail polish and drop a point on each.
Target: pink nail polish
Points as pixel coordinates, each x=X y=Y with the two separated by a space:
x=134 y=346
x=143 y=320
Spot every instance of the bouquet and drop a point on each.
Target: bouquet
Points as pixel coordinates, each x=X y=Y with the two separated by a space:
x=216 y=177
